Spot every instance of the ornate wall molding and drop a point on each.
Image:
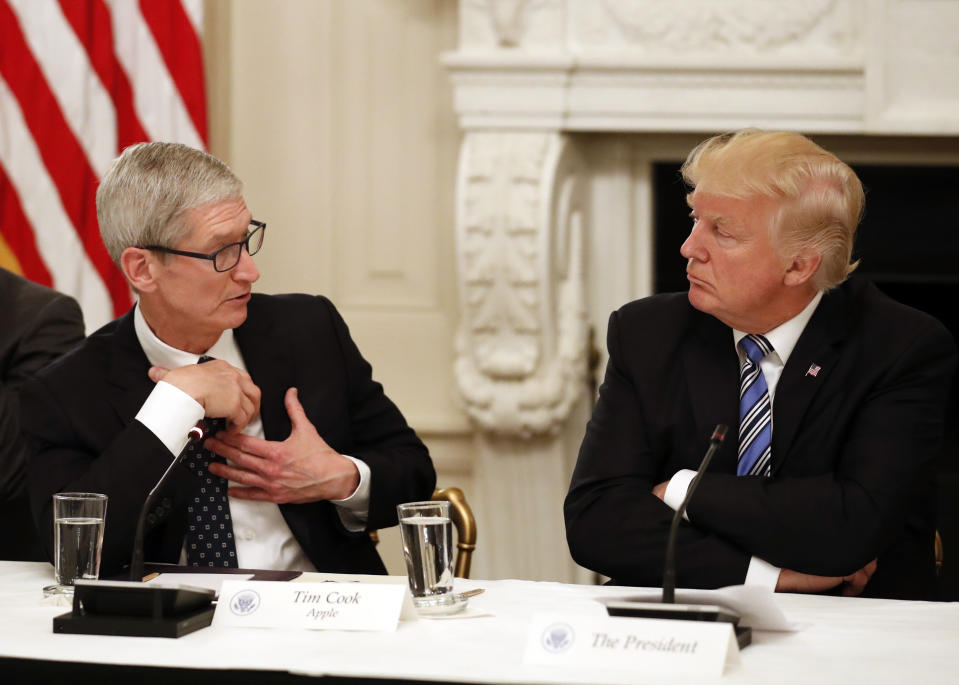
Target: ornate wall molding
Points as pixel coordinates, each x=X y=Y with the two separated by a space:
x=521 y=345
x=683 y=26
x=511 y=23
x=706 y=26
x=822 y=66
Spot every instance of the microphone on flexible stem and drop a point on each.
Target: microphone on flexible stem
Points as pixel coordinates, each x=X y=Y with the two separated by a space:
x=667 y=608
x=135 y=608
x=669 y=565
x=196 y=435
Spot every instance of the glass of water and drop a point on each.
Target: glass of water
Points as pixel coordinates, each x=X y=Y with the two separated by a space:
x=427 y=534
x=78 y=521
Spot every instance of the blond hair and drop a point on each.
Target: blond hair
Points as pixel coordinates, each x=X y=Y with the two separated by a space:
x=820 y=197
x=146 y=190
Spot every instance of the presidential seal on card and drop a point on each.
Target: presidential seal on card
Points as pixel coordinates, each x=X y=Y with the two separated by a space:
x=557 y=637
x=244 y=602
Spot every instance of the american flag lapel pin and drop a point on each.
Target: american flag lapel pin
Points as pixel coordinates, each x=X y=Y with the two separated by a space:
x=813 y=370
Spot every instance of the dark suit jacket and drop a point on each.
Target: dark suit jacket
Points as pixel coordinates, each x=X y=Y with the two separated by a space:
x=79 y=417
x=37 y=325
x=852 y=453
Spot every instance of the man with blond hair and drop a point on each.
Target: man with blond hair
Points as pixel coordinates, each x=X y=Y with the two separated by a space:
x=834 y=396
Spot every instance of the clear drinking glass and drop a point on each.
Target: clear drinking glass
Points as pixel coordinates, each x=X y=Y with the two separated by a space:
x=78 y=522
x=427 y=534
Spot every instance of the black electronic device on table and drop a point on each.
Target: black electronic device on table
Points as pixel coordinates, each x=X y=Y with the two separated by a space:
x=626 y=607
x=103 y=607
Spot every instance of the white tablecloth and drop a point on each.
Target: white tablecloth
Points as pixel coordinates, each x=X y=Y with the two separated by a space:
x=843 y=640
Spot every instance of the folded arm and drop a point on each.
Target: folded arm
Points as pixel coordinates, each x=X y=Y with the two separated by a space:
x=853 y=512
x=615 y=525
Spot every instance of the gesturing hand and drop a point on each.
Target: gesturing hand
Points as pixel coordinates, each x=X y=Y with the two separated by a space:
x=223 y=390
x=302 y=468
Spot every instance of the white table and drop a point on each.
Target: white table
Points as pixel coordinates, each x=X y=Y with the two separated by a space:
x=844 y=640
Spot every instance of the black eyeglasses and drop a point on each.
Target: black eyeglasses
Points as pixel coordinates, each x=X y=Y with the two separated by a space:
x=227 y=256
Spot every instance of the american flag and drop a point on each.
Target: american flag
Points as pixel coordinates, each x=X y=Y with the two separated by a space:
x=813 y=370
x=79 y=81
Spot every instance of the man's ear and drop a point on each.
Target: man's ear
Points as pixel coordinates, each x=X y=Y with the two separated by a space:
x=137 y=265
x=802 y=268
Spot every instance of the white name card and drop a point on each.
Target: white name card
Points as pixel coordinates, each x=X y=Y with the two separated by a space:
x=314 y=606
x=637 y=645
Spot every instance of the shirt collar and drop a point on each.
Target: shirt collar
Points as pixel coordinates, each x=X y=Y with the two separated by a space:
x=160 y=354
x=784 y=337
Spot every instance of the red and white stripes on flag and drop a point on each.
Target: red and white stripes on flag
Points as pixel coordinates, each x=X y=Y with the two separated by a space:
x=79 y=81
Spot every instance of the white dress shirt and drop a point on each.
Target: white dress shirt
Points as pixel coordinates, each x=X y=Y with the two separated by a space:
x=263 y=539
x=783 y=338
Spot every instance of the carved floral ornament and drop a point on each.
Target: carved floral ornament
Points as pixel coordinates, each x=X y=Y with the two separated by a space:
x=706 y=25
x=521 y=345
x=673 y=26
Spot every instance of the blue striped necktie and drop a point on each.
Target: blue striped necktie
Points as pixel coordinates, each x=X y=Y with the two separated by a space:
x=755 y=415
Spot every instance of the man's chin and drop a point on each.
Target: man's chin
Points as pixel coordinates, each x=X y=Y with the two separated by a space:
x=237 y=316
x=700 y=300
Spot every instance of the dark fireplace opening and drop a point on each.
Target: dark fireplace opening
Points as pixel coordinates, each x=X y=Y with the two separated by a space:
x=908 y=244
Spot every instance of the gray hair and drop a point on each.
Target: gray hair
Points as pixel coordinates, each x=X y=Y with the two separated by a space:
x=146 y=190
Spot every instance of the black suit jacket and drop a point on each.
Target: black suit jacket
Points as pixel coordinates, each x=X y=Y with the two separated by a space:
x=79 y=418
x=37 y=325
x=852 y=454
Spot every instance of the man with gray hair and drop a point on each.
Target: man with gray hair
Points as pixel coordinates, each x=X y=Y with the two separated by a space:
x=834 y=396
x=312 y=454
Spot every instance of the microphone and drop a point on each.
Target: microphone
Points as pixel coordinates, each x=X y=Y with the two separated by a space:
x=196 y=435
x=667 y=608
x=669 y=565
x=133 y=608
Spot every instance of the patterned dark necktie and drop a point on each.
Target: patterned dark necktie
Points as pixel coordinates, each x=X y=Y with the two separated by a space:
x=755 y=415
x=209 y=536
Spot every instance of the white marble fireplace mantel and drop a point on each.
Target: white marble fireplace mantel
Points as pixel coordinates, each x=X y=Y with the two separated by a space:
x=554 y=224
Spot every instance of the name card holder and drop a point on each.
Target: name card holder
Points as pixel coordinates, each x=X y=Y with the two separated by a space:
x=634 y=645
x=313 y=606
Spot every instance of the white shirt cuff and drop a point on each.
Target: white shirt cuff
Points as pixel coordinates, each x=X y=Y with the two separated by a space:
x=676 y=490
x=355 y=509
x=762 y=573
x=170 y=413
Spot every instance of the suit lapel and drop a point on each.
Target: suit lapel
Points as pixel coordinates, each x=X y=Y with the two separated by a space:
x=712 y=372
x=270 y=366
x=128 y=371
x=817 y=346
